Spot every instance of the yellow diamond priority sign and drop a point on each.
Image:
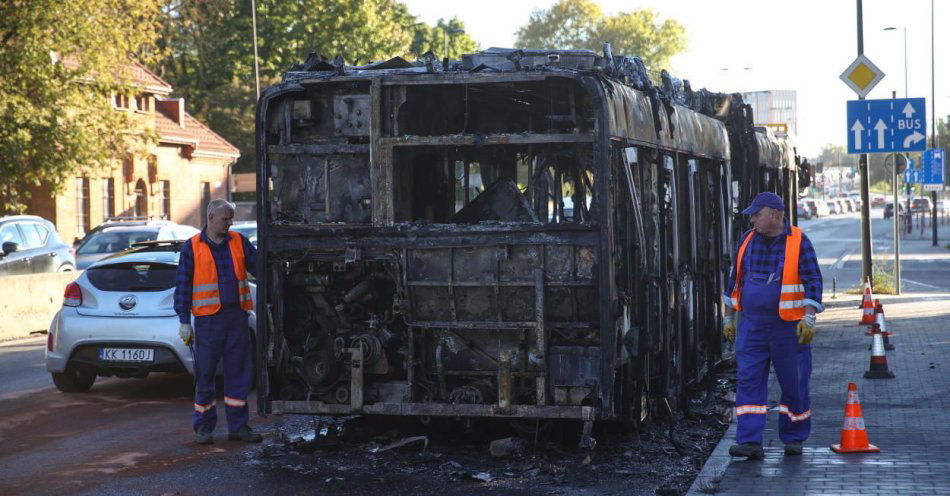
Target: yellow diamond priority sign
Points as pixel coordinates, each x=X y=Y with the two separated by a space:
x=862 y=76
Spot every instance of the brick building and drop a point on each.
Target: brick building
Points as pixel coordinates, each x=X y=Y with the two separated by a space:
x=180 y=174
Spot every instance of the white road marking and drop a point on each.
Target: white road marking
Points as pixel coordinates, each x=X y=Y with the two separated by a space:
x=904 y=279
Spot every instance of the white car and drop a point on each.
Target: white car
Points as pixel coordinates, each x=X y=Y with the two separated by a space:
x=114 y=237
x=118 y=319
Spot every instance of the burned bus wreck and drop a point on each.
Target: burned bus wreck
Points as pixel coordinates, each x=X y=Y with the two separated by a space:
x=521 y=234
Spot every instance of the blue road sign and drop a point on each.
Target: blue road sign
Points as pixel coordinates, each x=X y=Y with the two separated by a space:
x=886 y=126
x=932 y=166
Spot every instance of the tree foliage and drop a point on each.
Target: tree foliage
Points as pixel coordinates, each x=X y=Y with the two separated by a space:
x=59 y=63
x=581 y=24
x=208 y=56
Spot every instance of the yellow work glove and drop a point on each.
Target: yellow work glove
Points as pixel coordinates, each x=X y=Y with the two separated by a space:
x=186 y=333
x=729 y=328
x=806 y=329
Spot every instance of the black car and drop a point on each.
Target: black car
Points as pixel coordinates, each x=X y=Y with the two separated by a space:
x=30 y=245
x=889 y=209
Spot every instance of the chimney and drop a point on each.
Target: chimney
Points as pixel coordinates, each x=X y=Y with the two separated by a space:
x=173 y=108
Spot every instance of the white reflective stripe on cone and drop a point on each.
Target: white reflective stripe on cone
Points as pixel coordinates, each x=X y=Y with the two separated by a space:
x=853 y=424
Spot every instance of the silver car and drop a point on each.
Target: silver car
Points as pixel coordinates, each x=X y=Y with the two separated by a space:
x=118 y=319
x=116 y=237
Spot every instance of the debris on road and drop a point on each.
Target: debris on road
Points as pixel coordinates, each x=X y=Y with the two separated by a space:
x=507 y=447
x=402 y=442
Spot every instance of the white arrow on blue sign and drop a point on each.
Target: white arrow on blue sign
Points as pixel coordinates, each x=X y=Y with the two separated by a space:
x=887 y=126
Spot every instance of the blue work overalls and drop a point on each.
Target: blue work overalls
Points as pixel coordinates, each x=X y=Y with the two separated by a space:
x=223 y=337
x=764 y=338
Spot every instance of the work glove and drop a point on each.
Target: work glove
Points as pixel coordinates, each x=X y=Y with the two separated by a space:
x=806 y=329
x=729 y=328
x=186 y=333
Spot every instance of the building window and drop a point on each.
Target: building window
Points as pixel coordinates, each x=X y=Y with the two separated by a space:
x=121 y=101
x=141 y=103
x=164 y=192
x=205 y=200
x=141 y=200
x=108 y=198
x=82 y=205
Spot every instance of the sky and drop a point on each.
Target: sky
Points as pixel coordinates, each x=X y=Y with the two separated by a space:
x=802 y=45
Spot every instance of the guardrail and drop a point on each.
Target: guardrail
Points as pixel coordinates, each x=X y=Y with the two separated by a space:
x=28 y=302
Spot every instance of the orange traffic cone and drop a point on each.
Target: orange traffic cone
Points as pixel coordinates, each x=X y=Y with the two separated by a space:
x=867 y=318
x=854 y=438
x=878 y=368
x=881 y=322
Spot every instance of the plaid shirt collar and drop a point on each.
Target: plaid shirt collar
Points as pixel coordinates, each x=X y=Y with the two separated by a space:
x=206 y=239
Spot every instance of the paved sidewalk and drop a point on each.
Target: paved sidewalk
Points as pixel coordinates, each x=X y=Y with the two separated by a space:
x=907 y=417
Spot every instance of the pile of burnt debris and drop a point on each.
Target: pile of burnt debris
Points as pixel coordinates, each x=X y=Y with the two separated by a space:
x=361 y=455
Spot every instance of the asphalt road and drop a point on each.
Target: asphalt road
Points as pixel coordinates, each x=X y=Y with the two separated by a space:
x=125 y=436
x=837 y=241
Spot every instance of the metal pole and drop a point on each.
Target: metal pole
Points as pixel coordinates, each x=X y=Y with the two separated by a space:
x=905 y=62
x=865 y=184
x=897 y=229
x=257 y=74
x=933 y=120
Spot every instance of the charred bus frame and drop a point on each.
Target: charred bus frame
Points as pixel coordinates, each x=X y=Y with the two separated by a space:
x=525 y=235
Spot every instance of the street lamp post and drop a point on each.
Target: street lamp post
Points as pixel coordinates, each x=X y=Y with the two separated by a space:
x=892 y=28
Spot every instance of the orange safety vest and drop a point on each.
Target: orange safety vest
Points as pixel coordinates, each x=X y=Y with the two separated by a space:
x=206 y=298
x=791 y=302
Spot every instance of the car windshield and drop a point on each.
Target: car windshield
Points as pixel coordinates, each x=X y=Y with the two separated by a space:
x=114 y=241
x=133 y=276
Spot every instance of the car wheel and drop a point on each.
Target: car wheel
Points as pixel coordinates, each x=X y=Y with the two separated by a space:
x=73 y=379
x=66 y=268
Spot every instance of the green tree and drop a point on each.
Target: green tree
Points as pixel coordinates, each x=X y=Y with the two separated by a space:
x=207 y=50
x=581 y=24
x=59 y=63
x=943 y=133
x=444 y=34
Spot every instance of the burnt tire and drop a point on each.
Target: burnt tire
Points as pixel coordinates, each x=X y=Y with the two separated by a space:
x=73 y=379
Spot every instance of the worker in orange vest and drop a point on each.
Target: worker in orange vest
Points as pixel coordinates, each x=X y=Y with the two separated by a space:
x=212 y=285
x=776 y=284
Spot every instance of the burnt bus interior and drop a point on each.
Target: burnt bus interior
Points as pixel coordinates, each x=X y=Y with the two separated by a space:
x=475 y=244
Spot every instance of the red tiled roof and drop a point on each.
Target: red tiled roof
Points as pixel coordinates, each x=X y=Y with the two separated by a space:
x=140 y=75
x=136 y=72
x=194 y=134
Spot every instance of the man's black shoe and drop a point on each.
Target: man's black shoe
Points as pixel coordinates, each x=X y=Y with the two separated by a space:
x=245 y=434
x=204 y=436
x=752 y=451
x=793 y=449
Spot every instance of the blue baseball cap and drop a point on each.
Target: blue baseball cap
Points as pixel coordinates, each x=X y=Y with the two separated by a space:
x=765 y=200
